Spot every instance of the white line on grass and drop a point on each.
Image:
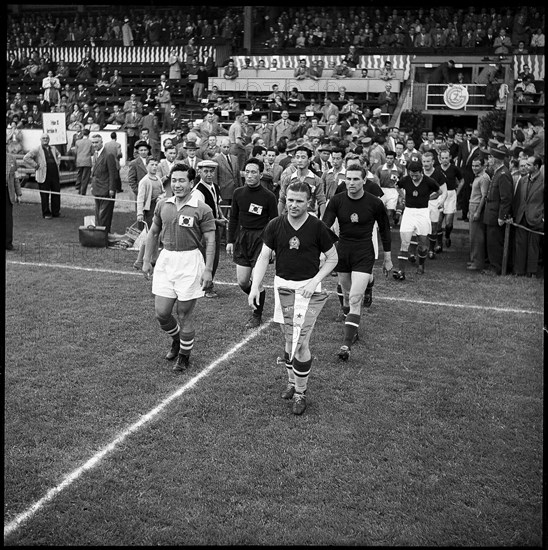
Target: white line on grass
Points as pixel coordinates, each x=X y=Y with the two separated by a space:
x=377 y=297
x=95 y=459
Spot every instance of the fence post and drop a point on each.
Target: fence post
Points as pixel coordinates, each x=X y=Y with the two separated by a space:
x=505 y=250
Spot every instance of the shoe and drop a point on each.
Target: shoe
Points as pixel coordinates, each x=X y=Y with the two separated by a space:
x=431 y=255
x=48 y=217
x=299 y=403
x=174 y=351
x=211 y=294
x=472 y=268
x=138 y=265
x=468 y=263
x=254 y=321
x=447 y=242
x=412 y=258
x=57 y=215
x=344 y=353
x=340 y=316
x=183 y=361
x=464 y=219
x=420 y=270
x=398 y=275
x=9 y=247
x=438 y=249
x=368 y=297
x=288 y=392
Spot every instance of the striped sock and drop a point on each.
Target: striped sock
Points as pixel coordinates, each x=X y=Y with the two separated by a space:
x=187 y=342
x=289 y=368
x=351 y=325
x=402 y=259
x=413 y=245
x=340 y=295
x=346 y=310
x=301 y=370
x=171 y=327
x=431 y=242
x=422 y=253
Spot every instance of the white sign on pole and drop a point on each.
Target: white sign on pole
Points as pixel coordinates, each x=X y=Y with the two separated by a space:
x=55 y=126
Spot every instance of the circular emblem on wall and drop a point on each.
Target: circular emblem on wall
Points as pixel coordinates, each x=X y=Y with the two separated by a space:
x=456 y=96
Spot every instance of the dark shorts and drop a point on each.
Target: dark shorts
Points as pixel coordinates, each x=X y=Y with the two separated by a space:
x=355 y=257
x=247 y=246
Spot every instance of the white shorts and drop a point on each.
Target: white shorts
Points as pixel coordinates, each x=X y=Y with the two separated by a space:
x=434 y=210
x=416 y=220
x=450 y=204
x=177 y=275
x=278 y=282
x=390 y=197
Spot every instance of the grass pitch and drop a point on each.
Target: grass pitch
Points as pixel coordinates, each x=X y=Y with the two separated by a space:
x=430 y=435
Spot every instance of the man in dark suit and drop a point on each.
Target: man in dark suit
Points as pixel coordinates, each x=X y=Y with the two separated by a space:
x=115 y=148
x=498 y=208
x=132 y=126
x=468 y=176
x=528 y=211
x=227 y=175
x=103 y=182
x=137 y=168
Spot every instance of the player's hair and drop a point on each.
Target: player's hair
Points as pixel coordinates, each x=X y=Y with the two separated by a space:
x=357 y=168
x=300 y=187
x=414 y=166
x=182 y=167
x=428 y=154
x=155 y=158
x=258 y=162
x=391 y=153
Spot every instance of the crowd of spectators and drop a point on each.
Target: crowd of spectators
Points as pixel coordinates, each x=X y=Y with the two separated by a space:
x=100 y=27
x=501 y=29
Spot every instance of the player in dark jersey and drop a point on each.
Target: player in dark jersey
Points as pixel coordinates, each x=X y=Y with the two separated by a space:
x=297 y=238
x=253 y=206
x=356 y=212
x=434 y=206
x=416 y=190
x=455 y=182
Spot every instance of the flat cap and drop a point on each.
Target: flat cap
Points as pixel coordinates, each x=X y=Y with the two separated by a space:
x=207 y=164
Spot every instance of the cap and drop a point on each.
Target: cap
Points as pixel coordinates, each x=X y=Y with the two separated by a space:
x=190 y=145
x=325 y=147
x=142 y=143
x=499 y=153
x=377 y=112
x=366 y=141
x=207 y=164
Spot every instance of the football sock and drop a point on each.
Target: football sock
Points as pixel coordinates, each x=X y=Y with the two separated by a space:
x=340 y=294
x=370 y=285
x=345 y=310
x=260 y=306
x=246 y=289
x=187 y=342
x=422 y=254
x=171 y=327
x=448 y=229
x=301 y=369
x=440 y=237
x=351 y=325
x=289 y=368
x=431 y=242
x=402 y=259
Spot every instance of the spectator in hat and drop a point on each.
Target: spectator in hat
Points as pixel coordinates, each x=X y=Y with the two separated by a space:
x=208 y=191
x=498 y=208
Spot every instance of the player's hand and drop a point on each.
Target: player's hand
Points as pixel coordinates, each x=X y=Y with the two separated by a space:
x=147 y=269
x=387 y=267
x=308 y=289
x=229 y=249
x=253 y=298
x=140 y=217
x=206 y=280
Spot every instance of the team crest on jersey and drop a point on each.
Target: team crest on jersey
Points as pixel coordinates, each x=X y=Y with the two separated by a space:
x=294 y=243
x=255 y=209
x=186 y=221
x=415 y=193
x=354 y=218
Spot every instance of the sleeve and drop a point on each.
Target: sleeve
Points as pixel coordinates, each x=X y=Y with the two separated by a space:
x=319 y=192
x=330 y=214
x=141 y=196
x=272 y=206
x=381 y=215
x=270 y=232
x=506 y=190
x=157 y=218
x=484 y=186
x=233 y=220
x=433 y=184
x=207 y=221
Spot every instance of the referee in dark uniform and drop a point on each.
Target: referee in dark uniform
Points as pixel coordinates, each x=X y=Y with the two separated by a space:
x=253 y=206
